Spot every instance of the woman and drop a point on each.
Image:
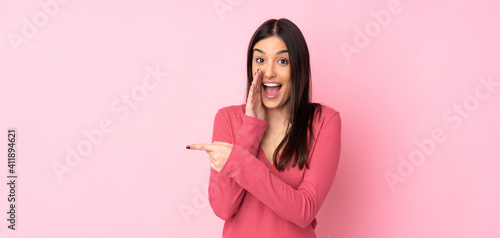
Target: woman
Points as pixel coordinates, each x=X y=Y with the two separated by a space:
x=273 y=159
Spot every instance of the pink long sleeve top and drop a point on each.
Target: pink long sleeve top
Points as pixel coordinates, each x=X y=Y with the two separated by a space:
x=252 y=196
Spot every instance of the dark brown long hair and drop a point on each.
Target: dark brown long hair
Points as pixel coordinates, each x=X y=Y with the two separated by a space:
x=296 y=143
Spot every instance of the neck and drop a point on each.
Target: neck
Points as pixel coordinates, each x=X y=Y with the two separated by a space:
x=278 y=117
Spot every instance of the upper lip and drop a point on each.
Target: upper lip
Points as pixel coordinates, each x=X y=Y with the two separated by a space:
x=276 y=82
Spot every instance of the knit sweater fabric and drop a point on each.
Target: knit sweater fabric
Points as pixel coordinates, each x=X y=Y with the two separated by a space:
x=257 y=200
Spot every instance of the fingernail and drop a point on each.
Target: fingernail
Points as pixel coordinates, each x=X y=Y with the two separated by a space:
x=188 y=147
x=256 y=72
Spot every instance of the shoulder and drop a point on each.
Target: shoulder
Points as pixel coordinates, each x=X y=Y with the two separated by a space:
x=232 y=113
x=234 y=108
x=325 y=113
x=326 y=119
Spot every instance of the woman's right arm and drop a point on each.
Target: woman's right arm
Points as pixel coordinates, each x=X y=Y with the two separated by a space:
x=224 y=194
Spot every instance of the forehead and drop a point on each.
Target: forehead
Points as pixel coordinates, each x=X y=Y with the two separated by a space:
x=271 y=45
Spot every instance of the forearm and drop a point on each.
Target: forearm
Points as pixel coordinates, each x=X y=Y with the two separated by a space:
x=300 y=205
x=225 y=195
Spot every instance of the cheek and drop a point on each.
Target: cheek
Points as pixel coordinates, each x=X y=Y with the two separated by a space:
x=288 y=90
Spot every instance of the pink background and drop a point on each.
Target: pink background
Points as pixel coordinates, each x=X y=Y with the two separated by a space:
x=404 y=83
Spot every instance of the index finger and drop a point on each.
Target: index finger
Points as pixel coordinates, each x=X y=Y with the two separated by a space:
x=205 y=147
x=256 y=76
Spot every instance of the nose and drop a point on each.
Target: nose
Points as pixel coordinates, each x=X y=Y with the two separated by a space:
x=268 y=71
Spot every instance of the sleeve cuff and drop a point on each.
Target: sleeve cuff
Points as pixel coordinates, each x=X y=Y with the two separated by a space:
x=231 y=161
x=254 y=122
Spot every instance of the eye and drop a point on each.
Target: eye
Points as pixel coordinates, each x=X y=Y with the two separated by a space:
x=283 y=61
x=259 y=60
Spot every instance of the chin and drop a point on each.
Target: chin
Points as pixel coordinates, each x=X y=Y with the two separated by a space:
x=272 y=104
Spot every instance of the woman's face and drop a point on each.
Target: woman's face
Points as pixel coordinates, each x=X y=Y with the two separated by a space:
x=270 y=55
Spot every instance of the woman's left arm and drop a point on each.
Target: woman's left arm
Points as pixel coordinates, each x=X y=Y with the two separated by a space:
x=300 y=205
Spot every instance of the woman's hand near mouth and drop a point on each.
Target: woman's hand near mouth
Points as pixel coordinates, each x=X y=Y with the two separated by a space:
x=254 y=106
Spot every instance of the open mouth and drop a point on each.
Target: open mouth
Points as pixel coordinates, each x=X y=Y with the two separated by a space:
x=271 y=90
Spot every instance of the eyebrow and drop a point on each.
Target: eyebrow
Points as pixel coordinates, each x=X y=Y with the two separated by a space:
x=262 y=52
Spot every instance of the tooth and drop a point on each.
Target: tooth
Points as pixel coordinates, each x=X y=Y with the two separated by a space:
x=272 y=84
